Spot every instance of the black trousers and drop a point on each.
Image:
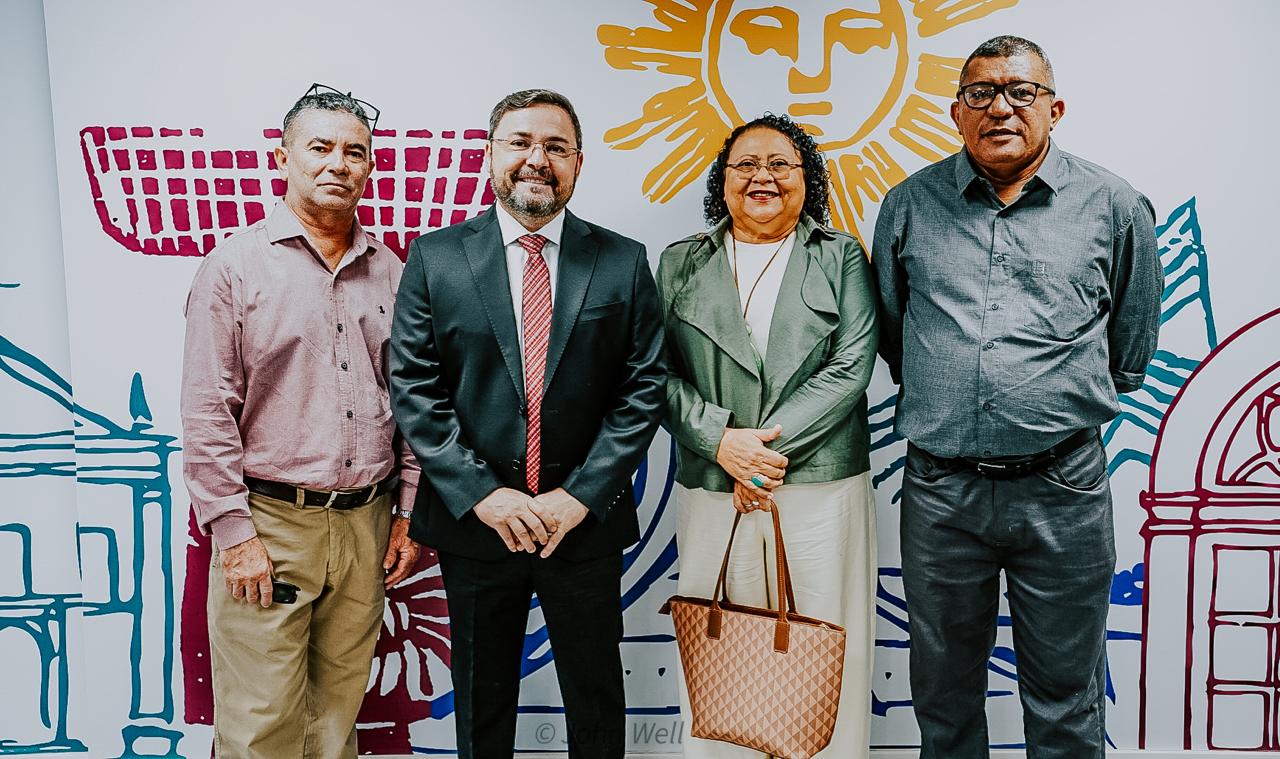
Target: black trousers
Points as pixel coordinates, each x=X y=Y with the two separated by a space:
x=488 y=613
x=1051 y=534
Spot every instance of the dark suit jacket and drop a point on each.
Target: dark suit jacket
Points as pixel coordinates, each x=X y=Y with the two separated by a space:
x=457 y=385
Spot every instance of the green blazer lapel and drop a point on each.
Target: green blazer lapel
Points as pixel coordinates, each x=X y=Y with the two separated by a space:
x=709 y=303
x=575 y=266
x=488 y=263
x=806 y=312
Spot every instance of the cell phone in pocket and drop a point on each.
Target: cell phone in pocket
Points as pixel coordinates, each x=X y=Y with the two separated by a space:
x=283 y=592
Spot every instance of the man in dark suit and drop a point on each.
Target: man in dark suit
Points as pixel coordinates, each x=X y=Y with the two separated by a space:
x=526 y=373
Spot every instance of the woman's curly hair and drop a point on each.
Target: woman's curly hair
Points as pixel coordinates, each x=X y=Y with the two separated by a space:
x=816 y=199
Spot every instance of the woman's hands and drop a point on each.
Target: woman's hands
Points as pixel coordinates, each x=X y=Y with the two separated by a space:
x=756 y=470
x=746 y=501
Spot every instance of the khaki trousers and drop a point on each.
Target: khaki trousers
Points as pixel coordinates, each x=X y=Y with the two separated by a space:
x=830 y=531
x=288 y=680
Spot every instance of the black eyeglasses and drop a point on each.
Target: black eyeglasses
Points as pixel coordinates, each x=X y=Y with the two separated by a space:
x=369 y=108
x=777 y=168
x=1017 y=94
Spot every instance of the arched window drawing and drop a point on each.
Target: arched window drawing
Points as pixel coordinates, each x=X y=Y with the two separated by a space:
x=1212 y=538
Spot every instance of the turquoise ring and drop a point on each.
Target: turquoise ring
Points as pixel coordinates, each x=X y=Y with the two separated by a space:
x=757 y=480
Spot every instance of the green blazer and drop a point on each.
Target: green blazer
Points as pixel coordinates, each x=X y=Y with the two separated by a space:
x=822 y=346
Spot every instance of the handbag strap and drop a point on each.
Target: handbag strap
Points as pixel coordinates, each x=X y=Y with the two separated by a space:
x=785 y=594
x=784 y=566
x=722 y=588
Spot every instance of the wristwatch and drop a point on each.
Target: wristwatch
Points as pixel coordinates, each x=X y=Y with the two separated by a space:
x=402 y=513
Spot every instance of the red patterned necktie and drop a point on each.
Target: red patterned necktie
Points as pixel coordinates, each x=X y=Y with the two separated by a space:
x=535 y=310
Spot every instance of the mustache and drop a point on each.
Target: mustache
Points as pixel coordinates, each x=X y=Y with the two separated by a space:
x=545 y=176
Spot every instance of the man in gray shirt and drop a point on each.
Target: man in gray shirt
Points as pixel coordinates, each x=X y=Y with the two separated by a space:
x=1019 y=294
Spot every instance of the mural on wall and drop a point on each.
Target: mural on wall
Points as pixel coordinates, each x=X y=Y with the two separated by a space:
x=1196 y=546
x=128 y=575
x=874 y=91
x=902 y=124
x=1212 y=540
x=410 y=680
x=174 y=192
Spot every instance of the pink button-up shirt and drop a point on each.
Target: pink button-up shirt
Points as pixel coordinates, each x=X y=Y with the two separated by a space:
x=284 y=373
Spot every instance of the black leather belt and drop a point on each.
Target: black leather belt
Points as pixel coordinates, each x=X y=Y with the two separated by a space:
x=1013 y=467
x=332 y=499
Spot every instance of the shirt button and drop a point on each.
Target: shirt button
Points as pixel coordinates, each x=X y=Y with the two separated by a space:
x=349 y=414
x=339 y=326
x=344 y=366
x=348 y=462
x=989 y=345
x=995 y=306
x=986 y=452
x=999 y=259
x=986 y=406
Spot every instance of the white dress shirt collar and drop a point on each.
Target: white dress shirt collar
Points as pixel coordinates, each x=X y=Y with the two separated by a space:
x=513 y=230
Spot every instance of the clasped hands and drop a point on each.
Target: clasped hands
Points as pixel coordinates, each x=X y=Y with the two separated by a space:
x=525 y=522
x=756 y=470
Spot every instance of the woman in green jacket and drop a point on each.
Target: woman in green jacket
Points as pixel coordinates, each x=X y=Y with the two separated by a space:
x=771 y=337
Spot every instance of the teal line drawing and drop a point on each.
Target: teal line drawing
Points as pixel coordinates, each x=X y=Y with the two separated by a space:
x=102 y=452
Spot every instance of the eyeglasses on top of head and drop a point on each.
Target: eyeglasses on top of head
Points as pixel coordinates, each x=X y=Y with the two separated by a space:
x=523 y=146
x=369 y=108
x=777 y=168
x=1017 y=94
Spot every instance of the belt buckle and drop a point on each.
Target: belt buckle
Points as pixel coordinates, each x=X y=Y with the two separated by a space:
x=991 y=471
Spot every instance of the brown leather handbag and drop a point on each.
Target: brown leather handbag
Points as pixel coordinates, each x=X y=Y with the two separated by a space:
x=761 y=678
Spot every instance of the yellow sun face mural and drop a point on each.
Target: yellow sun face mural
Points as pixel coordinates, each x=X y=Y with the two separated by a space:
x=847 y=70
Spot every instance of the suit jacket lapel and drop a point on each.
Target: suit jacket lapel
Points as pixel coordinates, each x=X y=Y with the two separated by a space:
x=576 y=265
x=488 y=262
x=709 y=302
x=804 y=315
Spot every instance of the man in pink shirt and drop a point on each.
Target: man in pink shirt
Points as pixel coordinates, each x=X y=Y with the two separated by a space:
x=291 y=456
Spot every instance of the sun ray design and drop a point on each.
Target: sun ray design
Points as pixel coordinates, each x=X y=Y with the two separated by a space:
x=843 y=71
x=684 y=112
x=937 y=16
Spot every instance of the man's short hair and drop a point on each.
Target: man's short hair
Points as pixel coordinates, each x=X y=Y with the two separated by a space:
x=325 y=101
x=526 y=98
x=1008 y=46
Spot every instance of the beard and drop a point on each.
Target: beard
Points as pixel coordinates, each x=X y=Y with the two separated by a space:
x=538 y=206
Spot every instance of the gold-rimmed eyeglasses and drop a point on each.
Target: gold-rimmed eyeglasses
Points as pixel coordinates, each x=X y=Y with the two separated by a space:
x=777 y=168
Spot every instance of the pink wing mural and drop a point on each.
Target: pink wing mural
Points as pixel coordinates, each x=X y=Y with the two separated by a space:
x=176 y=192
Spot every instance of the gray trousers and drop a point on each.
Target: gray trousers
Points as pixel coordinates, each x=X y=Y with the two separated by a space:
x=1051 y=532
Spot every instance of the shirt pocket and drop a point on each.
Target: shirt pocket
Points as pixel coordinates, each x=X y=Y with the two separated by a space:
x=1058 y=302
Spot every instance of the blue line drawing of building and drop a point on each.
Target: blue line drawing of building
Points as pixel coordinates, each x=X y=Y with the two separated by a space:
x=124 y=552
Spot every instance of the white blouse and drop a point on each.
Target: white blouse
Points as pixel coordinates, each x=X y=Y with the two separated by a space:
x=753 y=269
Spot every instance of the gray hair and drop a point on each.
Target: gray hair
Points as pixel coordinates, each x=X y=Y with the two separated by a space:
x=1009 y=46
x=526 y=98
x=325 y=101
